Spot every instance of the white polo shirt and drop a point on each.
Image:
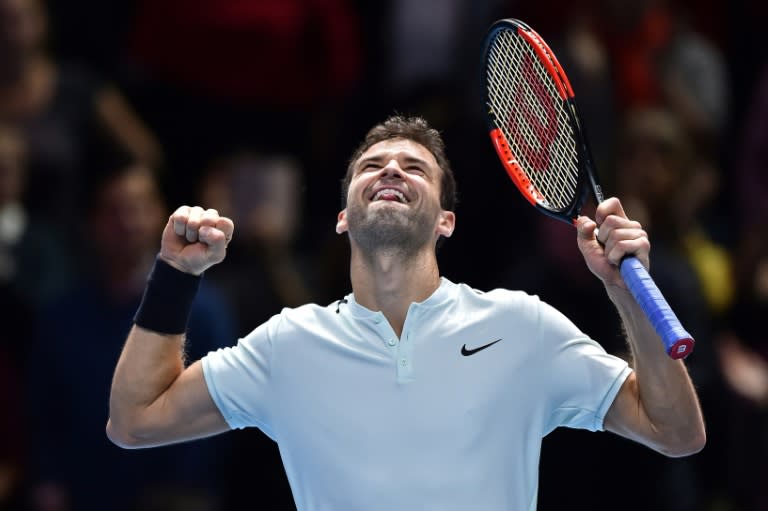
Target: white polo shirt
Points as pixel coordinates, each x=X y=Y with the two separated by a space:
x=449 y=416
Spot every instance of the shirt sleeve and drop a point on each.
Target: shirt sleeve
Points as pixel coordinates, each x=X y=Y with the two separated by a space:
x=239 y=379
x=582 y=379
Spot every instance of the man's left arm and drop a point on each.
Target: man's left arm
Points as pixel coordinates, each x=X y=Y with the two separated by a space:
x=657 y=404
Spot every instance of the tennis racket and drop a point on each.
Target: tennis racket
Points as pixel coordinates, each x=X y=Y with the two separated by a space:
x=537 y=133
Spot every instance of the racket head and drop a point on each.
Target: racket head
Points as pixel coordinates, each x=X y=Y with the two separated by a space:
x=532 y=120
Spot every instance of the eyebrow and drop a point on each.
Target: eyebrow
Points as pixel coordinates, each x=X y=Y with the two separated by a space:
x=408 y=159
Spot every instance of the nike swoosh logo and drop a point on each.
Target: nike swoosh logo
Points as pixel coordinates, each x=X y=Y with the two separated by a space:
x=467 y=352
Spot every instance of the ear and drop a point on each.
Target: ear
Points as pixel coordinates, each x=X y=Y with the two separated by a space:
x=341 y=222
x=446 y=223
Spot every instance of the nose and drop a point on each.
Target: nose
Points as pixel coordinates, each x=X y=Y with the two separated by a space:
x=392 y=169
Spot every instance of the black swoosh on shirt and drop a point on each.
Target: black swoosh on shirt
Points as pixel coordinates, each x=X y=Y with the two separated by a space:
x=467 y=352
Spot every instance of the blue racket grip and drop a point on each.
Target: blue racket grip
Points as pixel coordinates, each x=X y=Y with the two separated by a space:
x=678 y=342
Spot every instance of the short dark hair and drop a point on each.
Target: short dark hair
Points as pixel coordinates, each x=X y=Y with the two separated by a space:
x=417 y=130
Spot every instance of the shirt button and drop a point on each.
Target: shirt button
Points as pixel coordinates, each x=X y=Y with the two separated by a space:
x=403 y=362
x=392 y=342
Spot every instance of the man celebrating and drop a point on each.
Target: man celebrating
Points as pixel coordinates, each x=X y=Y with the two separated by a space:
x=412 y=392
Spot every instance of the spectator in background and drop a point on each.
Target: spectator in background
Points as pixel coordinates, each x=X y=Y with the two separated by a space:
x=743 y=354
x=33 y=268
x=427 y=49
x=423 y=58
x=75 y=466
x=263 y=194
x=586 y=60
x=667 y=182
x=752 y=162
x=661 y=61
x=33 y=261
x=62 y=110
x=743 y=347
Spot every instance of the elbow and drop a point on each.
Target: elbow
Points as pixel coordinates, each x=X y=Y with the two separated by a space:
x=686 y=446
x=122 y=436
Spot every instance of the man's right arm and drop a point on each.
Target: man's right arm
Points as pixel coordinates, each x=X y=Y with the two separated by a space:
x=155 y=400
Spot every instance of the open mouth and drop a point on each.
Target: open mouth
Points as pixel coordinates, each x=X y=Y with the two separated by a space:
x=390 y=194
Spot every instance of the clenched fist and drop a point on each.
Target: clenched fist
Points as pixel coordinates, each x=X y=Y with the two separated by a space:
x=195 y=239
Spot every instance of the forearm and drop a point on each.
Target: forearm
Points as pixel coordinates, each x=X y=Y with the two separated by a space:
x=152 y=358
x=665 y=393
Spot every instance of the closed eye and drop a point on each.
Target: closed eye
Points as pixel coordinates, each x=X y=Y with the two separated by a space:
x=368 y=168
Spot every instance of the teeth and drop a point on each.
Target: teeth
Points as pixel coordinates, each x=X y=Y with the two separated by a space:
x=390 y=191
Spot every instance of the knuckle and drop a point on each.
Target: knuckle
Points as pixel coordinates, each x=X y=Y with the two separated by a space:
x=611 y=221
x=178 y=216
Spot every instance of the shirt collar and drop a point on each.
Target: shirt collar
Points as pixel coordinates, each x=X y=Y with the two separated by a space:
x=440 y=296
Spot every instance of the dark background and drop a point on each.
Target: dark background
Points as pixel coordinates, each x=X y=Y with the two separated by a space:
x=304 y=80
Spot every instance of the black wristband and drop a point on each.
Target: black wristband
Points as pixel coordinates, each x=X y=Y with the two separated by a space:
x=167 y=300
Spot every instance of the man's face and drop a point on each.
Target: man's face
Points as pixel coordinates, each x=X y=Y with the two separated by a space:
x=128 y=218
x=393 y=201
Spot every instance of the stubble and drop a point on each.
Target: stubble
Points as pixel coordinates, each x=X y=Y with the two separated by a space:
x=389 y=230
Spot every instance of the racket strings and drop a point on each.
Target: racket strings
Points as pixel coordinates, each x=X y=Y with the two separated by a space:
x=524 y=100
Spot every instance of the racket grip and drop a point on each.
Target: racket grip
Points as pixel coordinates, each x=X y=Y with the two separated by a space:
x=678 y=342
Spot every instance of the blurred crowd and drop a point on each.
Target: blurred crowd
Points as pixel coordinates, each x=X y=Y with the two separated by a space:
x=112 y=114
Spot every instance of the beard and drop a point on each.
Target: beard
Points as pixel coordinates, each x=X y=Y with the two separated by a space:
x=390 y=230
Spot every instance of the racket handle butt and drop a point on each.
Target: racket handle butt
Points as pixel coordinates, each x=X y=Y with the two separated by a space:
x=681 y=348
x=677 y=342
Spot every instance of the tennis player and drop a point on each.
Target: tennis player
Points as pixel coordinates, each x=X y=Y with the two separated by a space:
x=412 y=392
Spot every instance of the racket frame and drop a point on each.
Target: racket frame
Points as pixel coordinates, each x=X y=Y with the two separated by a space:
x=678 y=342
x=586 y=182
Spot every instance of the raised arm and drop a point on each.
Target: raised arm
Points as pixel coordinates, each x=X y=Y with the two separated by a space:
x=155 y=400
x=657 y=405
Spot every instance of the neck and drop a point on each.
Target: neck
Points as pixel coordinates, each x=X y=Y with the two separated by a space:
x=389 y=282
